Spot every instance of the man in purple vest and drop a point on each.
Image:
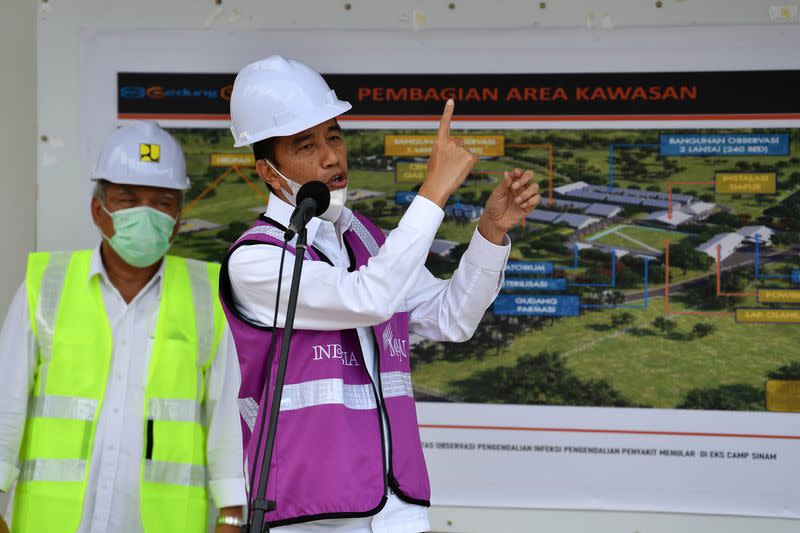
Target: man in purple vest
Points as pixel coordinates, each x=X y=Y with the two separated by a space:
x=347 y=455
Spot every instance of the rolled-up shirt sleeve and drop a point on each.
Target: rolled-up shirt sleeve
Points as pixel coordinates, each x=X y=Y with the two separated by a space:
x=17 y=369
x=224 y=444
x=450 y=310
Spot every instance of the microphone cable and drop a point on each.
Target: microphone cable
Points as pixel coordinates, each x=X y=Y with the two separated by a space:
x=265 y=415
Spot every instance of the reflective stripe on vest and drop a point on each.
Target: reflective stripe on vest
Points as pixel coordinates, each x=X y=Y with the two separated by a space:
x=248 y=408
x=175 y=473
x=174 y=410
x=72 y=333
x=47 y=308
x=395 y=384
x=366 y=237
x=333 y=391
x=203 y=309
x=52 y=406
x=273 y=232
x=53 y=470
x=327 y=392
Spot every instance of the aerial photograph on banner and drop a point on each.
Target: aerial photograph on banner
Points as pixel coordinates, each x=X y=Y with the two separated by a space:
x=654 y=258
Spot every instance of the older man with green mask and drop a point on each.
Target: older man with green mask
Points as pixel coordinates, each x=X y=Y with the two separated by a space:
x=118 y=372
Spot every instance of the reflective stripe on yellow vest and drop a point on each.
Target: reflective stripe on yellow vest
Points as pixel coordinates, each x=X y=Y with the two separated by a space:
x=74 y=345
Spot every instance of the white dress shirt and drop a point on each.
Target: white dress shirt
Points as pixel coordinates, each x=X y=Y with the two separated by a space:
x=111 y=502
x=331 y=298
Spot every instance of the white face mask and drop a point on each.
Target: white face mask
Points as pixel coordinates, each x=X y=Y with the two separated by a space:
x=338 y=197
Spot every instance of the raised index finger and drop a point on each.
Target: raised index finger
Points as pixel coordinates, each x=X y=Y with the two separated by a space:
x=444 y=124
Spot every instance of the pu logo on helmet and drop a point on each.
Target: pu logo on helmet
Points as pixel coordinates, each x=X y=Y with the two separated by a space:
x=149 y=152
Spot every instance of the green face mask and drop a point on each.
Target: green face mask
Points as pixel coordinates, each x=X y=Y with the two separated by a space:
x=141 y=234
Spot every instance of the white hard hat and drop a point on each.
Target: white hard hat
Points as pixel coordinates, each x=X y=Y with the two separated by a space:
x=276 y=97
x=141 y=153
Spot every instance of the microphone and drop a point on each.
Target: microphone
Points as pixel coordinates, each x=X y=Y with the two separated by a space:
x=313 y=199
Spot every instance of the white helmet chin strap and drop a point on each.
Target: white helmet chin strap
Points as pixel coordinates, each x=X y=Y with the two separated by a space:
x=338 y=196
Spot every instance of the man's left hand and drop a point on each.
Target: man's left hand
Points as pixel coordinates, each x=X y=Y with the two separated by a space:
x=509 y=204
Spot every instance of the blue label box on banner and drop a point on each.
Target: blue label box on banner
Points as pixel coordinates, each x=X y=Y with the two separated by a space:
x=523 y=305
x=795 y=276
x=723 y=144
x=535 y=284
x=529 y=267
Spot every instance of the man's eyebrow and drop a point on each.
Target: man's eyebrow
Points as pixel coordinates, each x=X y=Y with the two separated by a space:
x=335 y=127
x=125 y=190
x=301 y=139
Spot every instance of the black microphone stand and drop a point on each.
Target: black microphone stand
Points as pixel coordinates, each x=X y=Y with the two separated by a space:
x=261 y=505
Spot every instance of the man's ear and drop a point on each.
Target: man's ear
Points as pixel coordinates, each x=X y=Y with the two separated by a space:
x=97 y=211
x=101 y=219
x=268 y=175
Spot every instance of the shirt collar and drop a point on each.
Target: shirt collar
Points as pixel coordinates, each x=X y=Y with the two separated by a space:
x=97 y=268
x=281 y=212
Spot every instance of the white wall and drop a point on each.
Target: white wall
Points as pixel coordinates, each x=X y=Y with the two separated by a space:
x=17 y=146
x=60 y=171
x=17 y=142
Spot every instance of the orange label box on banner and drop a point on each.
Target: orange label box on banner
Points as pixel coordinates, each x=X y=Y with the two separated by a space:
x=421 y=145
x=230 y=160
x=746 y=183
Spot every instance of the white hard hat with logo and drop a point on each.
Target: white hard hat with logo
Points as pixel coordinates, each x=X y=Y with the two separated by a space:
x=276 y=97
x=141 y=153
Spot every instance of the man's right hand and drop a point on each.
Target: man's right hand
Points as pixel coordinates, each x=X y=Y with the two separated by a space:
x=450 y=162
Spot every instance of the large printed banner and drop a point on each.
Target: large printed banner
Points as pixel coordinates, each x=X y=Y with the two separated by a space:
x=643 y=351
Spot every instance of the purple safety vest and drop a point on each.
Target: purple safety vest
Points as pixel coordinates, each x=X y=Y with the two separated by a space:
x=328 y=456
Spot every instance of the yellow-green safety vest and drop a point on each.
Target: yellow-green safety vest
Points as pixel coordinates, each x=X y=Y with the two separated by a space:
x=74 y=343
